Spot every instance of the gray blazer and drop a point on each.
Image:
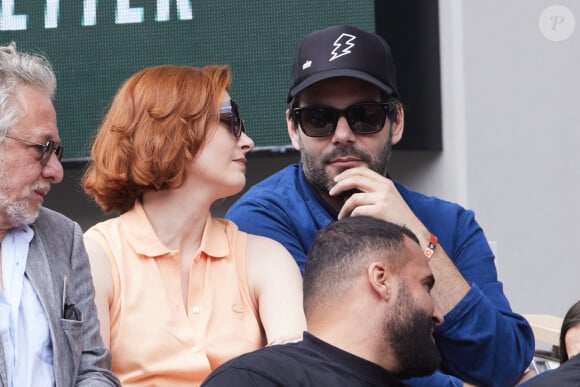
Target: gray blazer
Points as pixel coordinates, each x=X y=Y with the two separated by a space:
x=57 y=252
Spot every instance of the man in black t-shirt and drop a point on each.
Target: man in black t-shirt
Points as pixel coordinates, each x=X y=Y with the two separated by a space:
x=369 y=310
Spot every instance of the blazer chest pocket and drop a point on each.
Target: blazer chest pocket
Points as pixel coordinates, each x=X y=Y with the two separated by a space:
x=73 y=331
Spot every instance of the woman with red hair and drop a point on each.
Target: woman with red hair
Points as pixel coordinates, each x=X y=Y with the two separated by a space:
x=179 y=292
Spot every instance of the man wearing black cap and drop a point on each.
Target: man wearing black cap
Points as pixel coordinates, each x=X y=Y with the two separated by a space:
x=344 y=114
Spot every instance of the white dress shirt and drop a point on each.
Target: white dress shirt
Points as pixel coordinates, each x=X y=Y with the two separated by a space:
x=23 y=323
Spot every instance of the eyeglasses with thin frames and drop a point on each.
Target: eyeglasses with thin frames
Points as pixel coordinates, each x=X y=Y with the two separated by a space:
x=230 y=114
x=362 y=118
x=45 y=150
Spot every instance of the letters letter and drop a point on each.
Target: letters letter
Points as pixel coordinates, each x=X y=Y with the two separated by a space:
x=556 y=20
x=51 y=14
x=8 y=20
x=184 y=11
x=126 y=14
x=89 y=13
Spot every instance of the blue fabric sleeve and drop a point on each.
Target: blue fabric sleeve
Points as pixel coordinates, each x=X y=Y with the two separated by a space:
x=481 y=340
x=438 y=379
x=268 y=219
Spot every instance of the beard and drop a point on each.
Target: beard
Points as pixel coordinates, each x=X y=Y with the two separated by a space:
x=314 y=164
x=408 y=331
x=17 y=213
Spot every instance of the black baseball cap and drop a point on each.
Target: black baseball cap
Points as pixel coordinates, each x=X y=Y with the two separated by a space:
x=343 y=51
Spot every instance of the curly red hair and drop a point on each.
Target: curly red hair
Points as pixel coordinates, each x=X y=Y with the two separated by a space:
x=157 y=122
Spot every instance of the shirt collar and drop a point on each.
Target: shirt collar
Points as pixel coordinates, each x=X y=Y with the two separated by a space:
x=141 y=236
x=215 y=242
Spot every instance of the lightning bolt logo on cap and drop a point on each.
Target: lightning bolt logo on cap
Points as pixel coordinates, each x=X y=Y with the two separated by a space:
x=342 y=51
x=344 y=41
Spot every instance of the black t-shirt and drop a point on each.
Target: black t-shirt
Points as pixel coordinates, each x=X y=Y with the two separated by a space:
x=566 y=375
x=311 y=362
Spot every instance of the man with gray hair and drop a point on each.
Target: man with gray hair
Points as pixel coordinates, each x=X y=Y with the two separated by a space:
x=369 y=311
x=49 y=331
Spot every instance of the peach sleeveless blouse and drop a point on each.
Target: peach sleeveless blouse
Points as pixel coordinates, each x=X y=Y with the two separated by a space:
x=155 y=339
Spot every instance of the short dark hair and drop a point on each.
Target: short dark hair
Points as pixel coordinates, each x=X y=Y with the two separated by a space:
x=571 y=319
x=344 y=248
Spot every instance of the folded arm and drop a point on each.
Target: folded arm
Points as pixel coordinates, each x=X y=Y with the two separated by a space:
x=276 y=284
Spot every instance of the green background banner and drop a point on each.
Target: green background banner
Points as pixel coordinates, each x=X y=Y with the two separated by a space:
x=95 y=45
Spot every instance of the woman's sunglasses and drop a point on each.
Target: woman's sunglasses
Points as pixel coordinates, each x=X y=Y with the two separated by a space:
x=230 y=115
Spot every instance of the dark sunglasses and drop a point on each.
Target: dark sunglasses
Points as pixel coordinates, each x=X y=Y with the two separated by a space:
x=45 y=150
x=230 y=115
x=363 y=118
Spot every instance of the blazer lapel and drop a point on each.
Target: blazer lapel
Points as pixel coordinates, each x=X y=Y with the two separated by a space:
x=49 y=286
x=39 y=272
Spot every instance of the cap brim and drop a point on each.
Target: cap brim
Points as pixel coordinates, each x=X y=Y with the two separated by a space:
x=334 y=73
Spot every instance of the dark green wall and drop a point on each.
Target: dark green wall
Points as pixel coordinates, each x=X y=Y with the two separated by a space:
x=92 y=56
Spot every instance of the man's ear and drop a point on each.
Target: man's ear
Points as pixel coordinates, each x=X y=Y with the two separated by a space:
x=398 y=125
x=292 y=131
x=379 y=279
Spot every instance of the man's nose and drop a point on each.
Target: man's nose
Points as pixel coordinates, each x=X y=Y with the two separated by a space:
x=343 y=132
x=53 y=170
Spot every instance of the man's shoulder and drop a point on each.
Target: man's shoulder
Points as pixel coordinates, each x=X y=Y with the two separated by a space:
x=54 y=226
x=279 y=187
x=306 y=363
x=422 y=203
x=272 y=357
x=419 y=197
x=277 y=182
x=277 y=363
x=51 y=218
x=568 y=374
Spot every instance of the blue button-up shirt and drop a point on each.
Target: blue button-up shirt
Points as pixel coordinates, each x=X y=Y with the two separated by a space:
x=481 y=339
x=24 y=326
